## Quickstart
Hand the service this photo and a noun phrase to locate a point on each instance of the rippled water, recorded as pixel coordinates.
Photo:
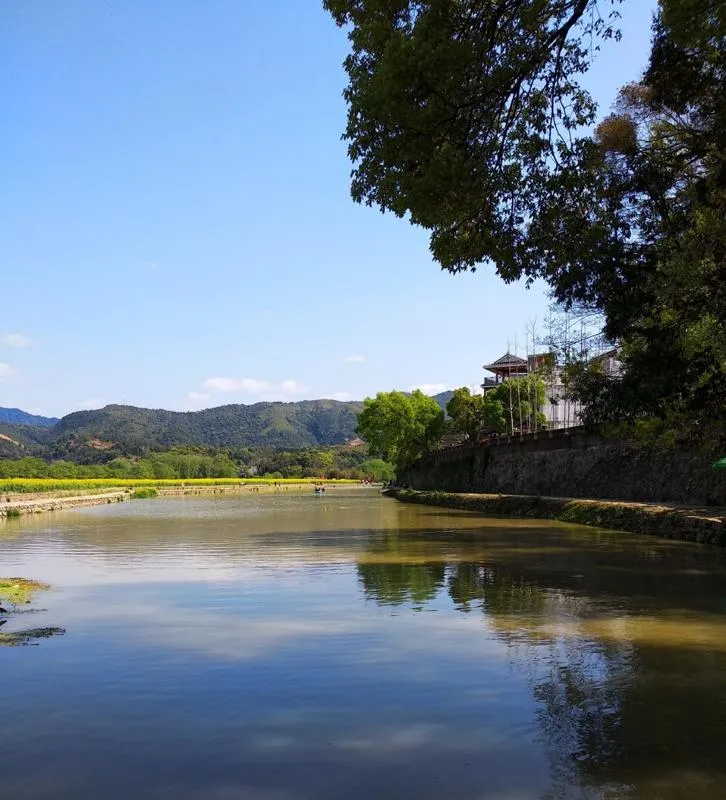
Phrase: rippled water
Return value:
(290, 646)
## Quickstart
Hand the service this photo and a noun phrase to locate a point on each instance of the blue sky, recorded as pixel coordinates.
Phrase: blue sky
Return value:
(176, 229)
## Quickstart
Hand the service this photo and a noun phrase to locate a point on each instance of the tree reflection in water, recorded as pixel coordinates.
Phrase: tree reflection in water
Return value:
(393, 582)
(630, 694)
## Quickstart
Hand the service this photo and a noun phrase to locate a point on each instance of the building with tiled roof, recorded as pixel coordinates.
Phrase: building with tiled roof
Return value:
(560, 410)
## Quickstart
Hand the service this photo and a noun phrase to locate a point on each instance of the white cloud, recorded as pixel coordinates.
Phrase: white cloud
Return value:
(261, 390)
(196, 400)
(249, 385)
(91, 403)
(431, 388)
(15, 340)
(353, 359)
(6, 371)
(342, 396)
(292, 387)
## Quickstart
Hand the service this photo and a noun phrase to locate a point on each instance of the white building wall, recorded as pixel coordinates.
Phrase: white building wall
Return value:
(559, 411)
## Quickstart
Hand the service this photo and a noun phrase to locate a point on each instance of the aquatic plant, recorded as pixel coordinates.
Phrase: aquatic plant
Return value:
(29, 636)
(19, 590)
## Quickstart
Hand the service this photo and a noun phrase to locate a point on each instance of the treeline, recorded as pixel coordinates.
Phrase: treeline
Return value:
(189, 463)
(401, 427)
(336, 462)
(157, 465)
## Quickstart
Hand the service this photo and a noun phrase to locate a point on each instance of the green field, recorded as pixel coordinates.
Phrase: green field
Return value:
(36, 485)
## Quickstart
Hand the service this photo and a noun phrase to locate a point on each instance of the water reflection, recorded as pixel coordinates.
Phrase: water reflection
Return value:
(627, 670)
(390, 580)
(286, 647)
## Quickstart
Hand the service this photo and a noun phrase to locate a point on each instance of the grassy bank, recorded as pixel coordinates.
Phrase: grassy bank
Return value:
(689, 523)
(39, 485)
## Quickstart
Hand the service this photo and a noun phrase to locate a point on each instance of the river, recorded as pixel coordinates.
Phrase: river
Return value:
(280, 647)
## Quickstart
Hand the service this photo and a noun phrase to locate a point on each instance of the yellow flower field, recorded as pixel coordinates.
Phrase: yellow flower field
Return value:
(34, 485)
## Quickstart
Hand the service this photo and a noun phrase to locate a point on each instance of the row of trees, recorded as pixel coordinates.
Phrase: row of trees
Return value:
(512, 407)
(401, 428)
(470, 119)
(156, 465)
(335, 462)
(338, 462)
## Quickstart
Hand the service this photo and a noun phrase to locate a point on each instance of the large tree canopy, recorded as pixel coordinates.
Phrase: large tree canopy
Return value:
(664, 179)
(400, 427)
(464, 114)
(467, 116)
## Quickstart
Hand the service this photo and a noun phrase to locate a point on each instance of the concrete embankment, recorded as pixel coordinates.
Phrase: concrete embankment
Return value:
(17, 504)
(20, 505)
(705, 525)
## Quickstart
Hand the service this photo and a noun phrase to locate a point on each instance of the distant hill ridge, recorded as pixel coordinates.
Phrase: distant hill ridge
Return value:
(292, 425)
(15, 416)
(118, 429)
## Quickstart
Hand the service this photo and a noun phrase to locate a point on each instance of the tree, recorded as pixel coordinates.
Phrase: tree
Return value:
(377, 469)
(400, 428)
(474, 414)
(454, 106)
(468, 117)
(521, 400)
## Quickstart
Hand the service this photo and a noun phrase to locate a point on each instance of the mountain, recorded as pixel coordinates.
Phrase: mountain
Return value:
(117, 430)
(443, 398)
(132, 430)
(14, 416)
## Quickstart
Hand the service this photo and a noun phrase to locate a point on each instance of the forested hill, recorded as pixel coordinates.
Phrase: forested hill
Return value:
(132, 430)
(127, 430)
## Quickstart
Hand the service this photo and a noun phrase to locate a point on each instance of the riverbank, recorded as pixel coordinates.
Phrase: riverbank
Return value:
(15, 505)
(705, 525)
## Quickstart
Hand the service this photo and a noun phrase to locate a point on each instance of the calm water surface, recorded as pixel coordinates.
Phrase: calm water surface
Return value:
(277, 647)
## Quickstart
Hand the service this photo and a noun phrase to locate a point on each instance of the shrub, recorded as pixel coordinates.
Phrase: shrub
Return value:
(143, 494)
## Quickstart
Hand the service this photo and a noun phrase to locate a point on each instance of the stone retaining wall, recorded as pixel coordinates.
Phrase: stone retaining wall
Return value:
(575, 464)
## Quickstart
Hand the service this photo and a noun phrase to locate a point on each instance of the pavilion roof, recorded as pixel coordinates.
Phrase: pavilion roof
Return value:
(507, 360)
